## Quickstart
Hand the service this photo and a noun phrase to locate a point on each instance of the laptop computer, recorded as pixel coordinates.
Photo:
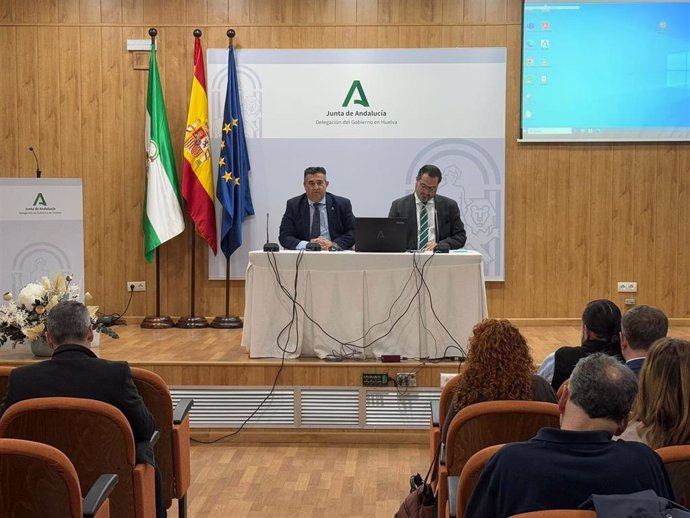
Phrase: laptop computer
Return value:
(380, 234)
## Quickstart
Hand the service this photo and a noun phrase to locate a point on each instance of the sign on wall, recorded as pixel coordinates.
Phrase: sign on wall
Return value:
(372, 118)
(41, 231)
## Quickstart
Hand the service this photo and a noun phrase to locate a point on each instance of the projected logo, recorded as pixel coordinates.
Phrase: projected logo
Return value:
(471, 177)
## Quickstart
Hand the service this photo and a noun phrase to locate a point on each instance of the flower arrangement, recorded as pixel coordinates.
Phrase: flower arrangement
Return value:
(24, 318)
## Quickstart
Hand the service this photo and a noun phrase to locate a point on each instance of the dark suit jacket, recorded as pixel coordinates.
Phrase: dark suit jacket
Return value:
(635, 365)
(449, 227)
(296, 225)
(75, 371)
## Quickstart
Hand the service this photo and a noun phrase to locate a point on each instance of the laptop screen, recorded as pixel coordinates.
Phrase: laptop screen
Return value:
(380, 234)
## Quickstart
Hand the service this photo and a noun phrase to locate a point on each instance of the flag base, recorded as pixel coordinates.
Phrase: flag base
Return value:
(157, 323)
(226, 322)
(192, 322)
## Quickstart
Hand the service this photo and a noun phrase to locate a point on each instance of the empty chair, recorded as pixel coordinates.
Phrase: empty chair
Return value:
(172, 448)
(486, 424)
(97, 438)
(677, 462)
(38, 481)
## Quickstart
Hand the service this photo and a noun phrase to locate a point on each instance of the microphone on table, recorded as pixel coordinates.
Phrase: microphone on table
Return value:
(270, 247)
(313, 247)
(38, 168)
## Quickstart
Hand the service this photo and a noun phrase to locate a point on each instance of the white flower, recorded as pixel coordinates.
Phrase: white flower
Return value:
(30, 294)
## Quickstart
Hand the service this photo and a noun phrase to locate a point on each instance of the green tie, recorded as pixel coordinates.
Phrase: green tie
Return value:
(423, 227)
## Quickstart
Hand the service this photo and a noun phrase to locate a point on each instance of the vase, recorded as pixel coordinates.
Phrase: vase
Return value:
(40, 348)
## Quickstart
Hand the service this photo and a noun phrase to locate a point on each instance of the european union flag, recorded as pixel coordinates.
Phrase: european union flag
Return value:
(232, 187)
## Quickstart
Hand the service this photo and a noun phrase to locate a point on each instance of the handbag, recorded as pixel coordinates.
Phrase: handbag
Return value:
(421, 501)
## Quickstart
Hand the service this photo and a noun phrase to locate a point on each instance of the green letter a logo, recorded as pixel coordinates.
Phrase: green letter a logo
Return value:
(356, 87)
(40, 200)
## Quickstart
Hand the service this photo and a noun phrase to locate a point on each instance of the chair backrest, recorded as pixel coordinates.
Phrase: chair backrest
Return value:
(677, 462)
(446, 398)
(557, 513)
(494, 422)
(37, 480)
(156, 395)
(95, 436)
(4, 379)
(470, 474)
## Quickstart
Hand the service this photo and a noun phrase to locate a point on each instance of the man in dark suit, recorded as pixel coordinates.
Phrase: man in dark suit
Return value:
(432, 219)
(640, 328)
(317, 216)
(75, 371)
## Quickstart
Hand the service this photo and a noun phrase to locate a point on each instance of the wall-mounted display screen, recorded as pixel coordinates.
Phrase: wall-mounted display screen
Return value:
(606, 71)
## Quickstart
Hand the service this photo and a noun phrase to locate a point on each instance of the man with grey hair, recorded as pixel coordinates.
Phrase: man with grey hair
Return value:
(561, 468)
(75, 371)
(640, 328)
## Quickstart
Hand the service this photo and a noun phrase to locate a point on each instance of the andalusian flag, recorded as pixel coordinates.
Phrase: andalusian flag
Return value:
(163, 218)
(197, 174)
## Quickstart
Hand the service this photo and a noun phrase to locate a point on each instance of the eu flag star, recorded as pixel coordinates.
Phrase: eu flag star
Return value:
(236, 180)
(221, 162)
(226, 128)
(234, 122)
(227, 177)
(222, 144)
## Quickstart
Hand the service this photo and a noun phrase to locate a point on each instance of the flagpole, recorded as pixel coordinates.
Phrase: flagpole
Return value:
(157, 321)
(227, 321)
(193, 321)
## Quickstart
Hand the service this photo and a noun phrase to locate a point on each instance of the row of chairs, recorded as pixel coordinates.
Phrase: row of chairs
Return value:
(97, 439)
(479, 430)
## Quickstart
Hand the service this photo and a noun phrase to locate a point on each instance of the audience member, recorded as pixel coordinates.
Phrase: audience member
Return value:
(432, 219)
(640, 328)
(601, 326)
(661, 415)
(499, 366)
(561, 468)
(75, 371)
(317, 216)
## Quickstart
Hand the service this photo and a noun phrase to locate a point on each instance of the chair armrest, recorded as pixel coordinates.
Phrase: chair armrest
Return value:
(181, 410)
(434, 411)
(98, 493)
(154, 438)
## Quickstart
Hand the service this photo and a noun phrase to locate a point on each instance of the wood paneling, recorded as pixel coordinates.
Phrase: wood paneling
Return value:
(578, 217)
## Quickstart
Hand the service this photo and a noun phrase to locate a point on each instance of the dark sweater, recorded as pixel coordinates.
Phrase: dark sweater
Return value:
(560, 469)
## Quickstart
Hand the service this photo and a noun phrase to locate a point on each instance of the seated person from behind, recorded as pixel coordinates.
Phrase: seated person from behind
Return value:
(640, 328)
(561, 468)
(425, 211)
(75, 371)
(601, 326)
(499, 366)
(661, 413)
(317, 216)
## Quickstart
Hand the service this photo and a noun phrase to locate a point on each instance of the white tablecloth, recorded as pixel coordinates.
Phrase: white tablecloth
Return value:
(347, 293)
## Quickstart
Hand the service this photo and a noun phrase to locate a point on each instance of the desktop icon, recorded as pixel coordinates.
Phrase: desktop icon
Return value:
(544, 79)
(530, 44)
(530, 26)
(544, 44)
(544, 62)
(529, 80)
(545, 26)
(529, 62)
(528, 114)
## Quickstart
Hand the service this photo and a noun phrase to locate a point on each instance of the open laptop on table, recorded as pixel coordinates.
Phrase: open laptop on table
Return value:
(380, 235)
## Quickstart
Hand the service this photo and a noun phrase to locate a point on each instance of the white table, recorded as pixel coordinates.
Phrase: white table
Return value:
(348, 292)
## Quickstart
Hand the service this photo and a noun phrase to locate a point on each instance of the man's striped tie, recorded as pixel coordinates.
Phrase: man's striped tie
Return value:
(423, 227)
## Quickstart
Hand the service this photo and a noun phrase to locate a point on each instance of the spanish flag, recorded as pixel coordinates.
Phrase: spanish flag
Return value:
(197, 174)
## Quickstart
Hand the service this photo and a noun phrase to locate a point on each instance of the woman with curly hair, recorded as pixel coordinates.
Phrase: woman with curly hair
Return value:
(661, 414)
(499, 366)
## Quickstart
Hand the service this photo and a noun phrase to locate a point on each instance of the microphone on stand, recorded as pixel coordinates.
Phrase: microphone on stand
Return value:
(270, 247)
(38, 168)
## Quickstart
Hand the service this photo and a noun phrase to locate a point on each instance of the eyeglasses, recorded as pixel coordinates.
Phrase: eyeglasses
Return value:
(427, 188)
(315, 183)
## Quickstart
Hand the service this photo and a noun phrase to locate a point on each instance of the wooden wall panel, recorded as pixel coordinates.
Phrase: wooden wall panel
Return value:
(578, 217)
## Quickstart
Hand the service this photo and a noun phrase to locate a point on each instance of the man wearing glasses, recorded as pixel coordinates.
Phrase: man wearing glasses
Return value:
(317, 216)
(432, 220)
